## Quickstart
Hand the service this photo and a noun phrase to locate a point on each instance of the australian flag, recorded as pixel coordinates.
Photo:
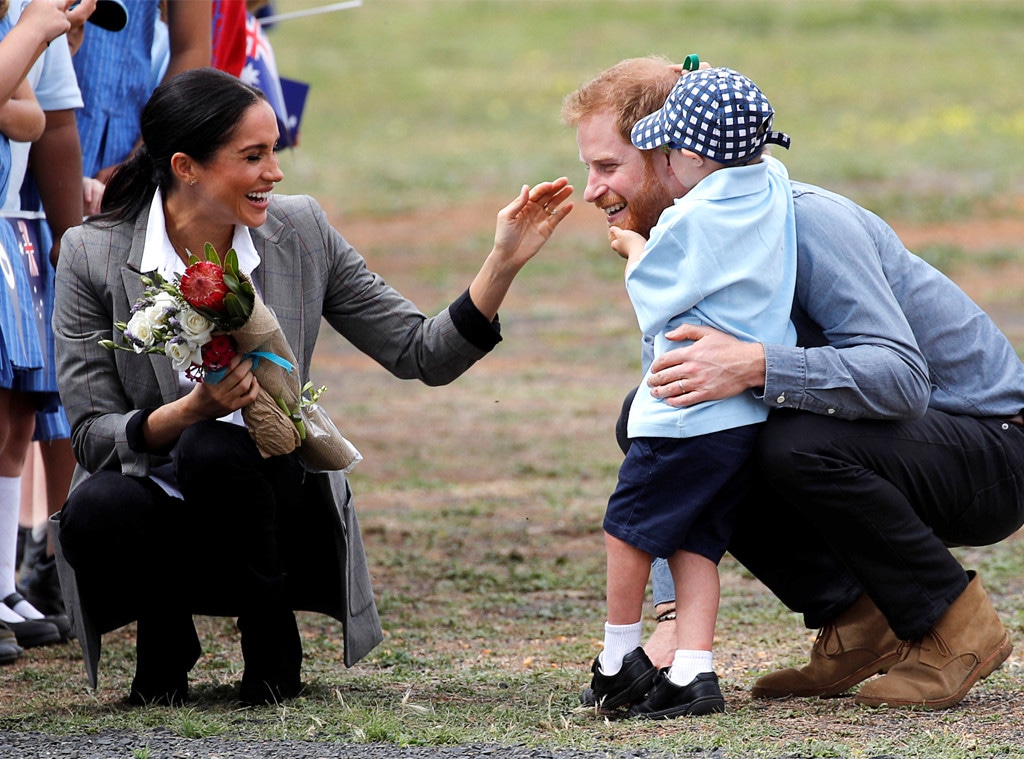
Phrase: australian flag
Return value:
(286, 97)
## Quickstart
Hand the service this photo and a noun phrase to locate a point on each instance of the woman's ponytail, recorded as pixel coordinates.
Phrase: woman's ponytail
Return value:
(130, 189)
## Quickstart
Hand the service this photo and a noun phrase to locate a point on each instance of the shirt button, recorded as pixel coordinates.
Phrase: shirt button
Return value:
(781, 399)
(1005, 426)
(831, 411)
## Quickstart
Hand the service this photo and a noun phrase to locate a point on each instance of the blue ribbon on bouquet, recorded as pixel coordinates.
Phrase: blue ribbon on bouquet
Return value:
(256, 356)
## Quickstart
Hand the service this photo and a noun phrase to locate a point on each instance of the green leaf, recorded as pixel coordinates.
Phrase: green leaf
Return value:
(234, 307)
(231, 262)
(211, 254)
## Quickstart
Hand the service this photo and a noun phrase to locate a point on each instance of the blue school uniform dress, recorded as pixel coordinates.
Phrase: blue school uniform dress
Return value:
(26, 340)
(21, 355)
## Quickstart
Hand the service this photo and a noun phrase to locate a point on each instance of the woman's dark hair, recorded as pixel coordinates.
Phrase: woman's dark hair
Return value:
(195, 112)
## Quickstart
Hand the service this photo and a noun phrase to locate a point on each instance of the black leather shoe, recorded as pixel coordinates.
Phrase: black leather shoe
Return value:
(10, 651)
(272, 652)
(166, 649)
(667, 700)
(256, 692)
(171, 691)
(627, 686)
(60, 621)
(34, 632)
(40, 584)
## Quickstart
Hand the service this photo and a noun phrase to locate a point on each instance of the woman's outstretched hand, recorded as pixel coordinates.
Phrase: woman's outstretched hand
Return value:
(524, 225)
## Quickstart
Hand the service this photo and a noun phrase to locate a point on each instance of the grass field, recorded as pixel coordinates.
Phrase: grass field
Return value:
(481, 502)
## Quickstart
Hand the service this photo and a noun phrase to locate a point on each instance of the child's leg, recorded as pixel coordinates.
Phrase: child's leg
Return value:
(17, 420)
(697, 597)
(628, 571)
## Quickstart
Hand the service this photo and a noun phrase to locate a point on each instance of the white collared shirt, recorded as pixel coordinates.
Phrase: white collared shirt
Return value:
(158, 253)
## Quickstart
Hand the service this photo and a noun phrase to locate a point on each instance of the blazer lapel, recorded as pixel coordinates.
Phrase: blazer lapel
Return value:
(278, 277)
(166, 377)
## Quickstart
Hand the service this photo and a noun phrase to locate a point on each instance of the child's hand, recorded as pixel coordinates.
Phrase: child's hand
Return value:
(92, 195)
(78, 14)
(47, 17)
(626, 243)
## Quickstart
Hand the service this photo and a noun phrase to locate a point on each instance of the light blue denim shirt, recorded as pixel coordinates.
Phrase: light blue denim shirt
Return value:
(881, 334)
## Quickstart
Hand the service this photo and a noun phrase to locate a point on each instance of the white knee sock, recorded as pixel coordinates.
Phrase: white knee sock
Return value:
(619, 640)
(10, 505)
(688, 664)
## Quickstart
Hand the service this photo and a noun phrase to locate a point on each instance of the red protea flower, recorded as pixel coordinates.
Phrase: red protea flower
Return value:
(202, 285)
(217, 353)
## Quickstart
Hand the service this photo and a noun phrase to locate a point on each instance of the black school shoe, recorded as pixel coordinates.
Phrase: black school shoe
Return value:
(40, 584)
(10, 651)
(60, 621)
(666, 700)
(627, 686)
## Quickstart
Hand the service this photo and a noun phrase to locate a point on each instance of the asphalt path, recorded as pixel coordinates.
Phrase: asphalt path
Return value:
(165, 745)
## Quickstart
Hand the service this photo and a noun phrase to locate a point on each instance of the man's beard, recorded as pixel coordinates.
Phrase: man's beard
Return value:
(645, 208)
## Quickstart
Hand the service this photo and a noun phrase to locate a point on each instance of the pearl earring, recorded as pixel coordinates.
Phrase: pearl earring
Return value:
(191, 182)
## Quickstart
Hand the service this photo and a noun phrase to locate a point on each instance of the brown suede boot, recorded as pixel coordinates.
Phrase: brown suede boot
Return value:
(966, 644)
(857, 645)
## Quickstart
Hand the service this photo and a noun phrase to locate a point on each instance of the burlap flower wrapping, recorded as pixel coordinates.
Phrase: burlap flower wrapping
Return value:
(305, 426)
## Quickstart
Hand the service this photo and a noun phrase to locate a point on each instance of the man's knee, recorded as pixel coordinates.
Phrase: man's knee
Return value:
(790, 446)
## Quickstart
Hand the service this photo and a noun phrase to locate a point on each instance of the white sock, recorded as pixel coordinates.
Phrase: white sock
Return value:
(26, 610)
(688, 664)
(7, 614)
(39, 532)
(619, 640)
(10, 505)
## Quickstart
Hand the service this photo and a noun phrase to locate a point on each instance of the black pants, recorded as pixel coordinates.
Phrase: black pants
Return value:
(849, 507)
(872, 507)
(142, 554)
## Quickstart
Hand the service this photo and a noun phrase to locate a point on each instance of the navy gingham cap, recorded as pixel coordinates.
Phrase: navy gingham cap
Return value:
(717, 113)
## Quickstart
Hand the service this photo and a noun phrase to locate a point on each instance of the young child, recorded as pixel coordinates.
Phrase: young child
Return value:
(21, 118)
(724, 255)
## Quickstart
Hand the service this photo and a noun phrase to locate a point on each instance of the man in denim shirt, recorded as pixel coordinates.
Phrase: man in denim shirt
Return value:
(895, 431)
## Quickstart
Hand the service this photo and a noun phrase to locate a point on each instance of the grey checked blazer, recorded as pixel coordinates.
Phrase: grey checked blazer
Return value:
(308, 272)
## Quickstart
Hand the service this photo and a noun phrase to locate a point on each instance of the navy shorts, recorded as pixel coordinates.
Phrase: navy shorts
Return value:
(681, 494)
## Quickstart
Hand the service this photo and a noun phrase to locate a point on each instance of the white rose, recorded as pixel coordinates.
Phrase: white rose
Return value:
(182, 354)
(166, 300)
(163, 307)
(195, 327)
(139, 331)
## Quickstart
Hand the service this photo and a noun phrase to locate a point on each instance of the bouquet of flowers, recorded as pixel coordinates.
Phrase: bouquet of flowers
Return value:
(212, 313)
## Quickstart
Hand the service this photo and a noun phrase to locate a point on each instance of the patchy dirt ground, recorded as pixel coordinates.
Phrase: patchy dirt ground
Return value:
(464, 478)
(993, 716)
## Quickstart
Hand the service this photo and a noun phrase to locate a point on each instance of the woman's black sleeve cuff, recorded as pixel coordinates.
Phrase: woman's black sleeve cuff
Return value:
(473, 325)
(135, 437)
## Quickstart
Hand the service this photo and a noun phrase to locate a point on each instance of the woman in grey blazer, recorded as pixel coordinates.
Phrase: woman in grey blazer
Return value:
(162, 479)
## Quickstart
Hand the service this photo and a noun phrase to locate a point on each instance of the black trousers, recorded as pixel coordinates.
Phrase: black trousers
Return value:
(840, 508)
(142, 554)
(872, 506)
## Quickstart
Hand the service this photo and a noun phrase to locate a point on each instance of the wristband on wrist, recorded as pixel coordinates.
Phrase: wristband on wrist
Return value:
(666, 616)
